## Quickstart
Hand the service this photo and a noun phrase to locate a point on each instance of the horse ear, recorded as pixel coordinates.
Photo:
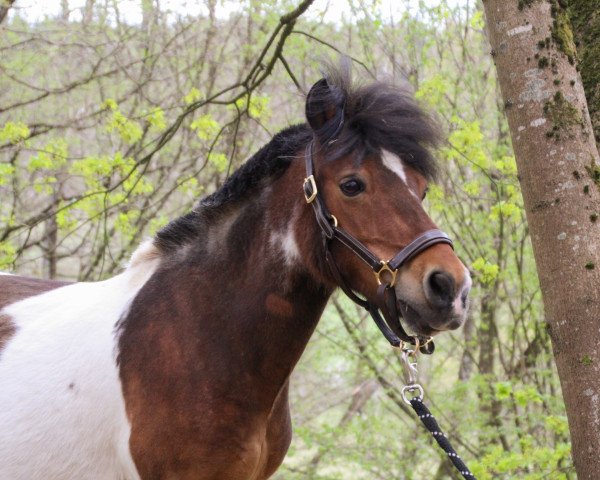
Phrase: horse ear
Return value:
(323, 103)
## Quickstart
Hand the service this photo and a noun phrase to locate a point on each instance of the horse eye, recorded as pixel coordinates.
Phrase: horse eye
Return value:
(352, 187)
(424, 194)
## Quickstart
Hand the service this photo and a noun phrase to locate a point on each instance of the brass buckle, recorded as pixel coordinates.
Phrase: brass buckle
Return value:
(386, 268)
(313, 185)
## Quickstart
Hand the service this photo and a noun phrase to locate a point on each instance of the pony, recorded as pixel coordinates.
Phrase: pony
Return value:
(179, 367)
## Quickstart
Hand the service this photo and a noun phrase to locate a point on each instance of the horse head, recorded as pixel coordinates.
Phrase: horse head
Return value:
(369, 165)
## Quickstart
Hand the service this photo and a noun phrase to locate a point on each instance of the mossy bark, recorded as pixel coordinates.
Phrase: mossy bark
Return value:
(585, 21)
(557, 160)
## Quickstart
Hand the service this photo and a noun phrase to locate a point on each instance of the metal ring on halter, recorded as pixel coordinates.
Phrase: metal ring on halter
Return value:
(413, 349)
(412, 388)
(386, 268)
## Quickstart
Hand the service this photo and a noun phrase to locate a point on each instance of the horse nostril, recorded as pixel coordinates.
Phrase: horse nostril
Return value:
(440, 288)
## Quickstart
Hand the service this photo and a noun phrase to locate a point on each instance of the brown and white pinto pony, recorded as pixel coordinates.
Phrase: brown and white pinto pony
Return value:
(179, 367)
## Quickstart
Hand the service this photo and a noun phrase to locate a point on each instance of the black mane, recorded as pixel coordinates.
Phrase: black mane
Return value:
(259, 170)
(375, 116)
(378, 116)
(266, 164)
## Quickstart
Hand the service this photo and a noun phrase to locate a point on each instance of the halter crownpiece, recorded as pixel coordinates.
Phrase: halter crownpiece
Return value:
(385, 271)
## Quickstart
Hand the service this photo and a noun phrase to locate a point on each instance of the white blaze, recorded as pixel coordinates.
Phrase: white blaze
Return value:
(394, 163)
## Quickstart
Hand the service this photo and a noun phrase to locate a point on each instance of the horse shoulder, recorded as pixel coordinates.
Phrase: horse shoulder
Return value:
(279, 433)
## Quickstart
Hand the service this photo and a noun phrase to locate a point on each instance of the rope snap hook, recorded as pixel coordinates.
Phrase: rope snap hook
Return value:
(408, 358)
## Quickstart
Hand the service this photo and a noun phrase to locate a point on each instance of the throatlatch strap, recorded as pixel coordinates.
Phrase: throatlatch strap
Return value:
(340, 280)
(431, 424)
(387, 304)
(383, 328)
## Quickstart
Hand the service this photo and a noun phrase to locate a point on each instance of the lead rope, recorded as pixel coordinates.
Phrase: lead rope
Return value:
(409, 364)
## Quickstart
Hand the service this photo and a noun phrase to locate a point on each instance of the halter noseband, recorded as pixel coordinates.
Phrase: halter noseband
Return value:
(386, 296)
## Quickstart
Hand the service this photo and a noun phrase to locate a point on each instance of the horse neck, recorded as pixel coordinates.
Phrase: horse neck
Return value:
(241, 302)
(273, 295)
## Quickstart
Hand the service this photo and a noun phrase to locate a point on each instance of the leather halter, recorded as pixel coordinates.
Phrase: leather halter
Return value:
(385, 271)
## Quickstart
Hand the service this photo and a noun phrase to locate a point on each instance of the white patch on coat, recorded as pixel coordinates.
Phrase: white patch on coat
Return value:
(62, 410)
(143, 263)
(394, 163)
(285, 241)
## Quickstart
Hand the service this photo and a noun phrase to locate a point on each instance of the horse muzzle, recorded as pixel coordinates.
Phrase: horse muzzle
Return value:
(440, 305)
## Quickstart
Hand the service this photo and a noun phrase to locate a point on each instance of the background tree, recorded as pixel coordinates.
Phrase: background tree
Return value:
(559, 171)
(4, 7)
(583, 18)
(113, 122)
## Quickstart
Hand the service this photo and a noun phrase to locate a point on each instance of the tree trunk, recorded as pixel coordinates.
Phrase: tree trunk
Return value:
(88, 12)
(65, 12)
(4, 8)
(585, 20)
(559, 171)
(147, 16)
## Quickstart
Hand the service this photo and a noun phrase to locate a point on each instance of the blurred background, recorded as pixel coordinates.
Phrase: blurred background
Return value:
(117, 116)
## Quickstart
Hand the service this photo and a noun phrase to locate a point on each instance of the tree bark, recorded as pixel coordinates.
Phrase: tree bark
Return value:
(585, 21)
(65, 11)
(559, 173)
(148, 16)
(88, 12)
(4, 8)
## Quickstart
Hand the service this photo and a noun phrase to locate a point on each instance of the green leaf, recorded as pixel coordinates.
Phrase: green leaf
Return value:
(257, 108)
(6, 172)
(156, 119)
(503, 390)
(193, 96)
(205, 126)
(507, 210)
(477, 20)
(489, 271)
(8, 252)
(219, 160)
(109, 104)
(129, 130)
(51, 157)
(472, 188)
(14, 132)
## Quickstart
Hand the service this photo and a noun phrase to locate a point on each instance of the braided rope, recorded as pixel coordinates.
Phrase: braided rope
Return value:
(431, 424)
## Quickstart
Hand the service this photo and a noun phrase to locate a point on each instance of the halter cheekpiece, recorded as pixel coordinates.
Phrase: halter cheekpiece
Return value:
(385, 271)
